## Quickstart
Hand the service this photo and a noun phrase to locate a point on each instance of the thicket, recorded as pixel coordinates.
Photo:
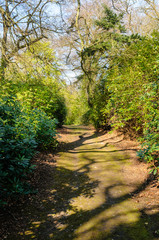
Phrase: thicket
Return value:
(21, 131)
(31, 107)
(133, 82)
(77, 106)
(123, 72)
(35, 80)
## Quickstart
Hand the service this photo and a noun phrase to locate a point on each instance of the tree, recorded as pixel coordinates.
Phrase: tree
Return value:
(95, 57)
(81, 32)
(22, 22)
(139, 16)
(35, 80)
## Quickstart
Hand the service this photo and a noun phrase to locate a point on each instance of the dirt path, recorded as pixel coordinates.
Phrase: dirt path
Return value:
(95, 192)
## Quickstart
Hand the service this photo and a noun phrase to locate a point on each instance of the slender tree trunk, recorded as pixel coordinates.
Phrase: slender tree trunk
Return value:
(4, 57)
(77, 24)
(4, 60)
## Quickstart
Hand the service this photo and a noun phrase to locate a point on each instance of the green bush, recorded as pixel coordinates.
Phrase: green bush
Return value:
(21, 131)
(150, 140)
(134, 100)
(99, 101)
(39, 95)
(132, 81)
(126, 92)
(77, 106)
(43, 128)
(35, 80)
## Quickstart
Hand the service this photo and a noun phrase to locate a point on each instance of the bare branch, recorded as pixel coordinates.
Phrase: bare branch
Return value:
(24, 22)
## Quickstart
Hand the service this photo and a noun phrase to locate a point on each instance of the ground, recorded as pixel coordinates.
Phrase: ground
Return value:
(93, 188)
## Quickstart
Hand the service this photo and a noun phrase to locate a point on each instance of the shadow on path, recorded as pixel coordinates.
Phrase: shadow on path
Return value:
(54, 212)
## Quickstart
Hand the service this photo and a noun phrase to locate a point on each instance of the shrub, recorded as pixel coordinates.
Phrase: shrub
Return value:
(150, 140)
(43, 128)
(128, 99)
(77, 106)
(21, 131)
(35, 80)
(99, 101)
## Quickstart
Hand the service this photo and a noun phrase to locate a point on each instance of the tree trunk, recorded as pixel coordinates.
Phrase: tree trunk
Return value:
(4, 42)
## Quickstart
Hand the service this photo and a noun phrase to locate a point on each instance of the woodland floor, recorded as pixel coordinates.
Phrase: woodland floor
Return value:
(94, 188)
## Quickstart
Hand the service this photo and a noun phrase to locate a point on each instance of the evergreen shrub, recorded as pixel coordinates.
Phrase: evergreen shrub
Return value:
(21, 132)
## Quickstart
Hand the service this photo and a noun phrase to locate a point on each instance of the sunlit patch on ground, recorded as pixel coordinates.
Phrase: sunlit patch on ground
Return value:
(89, 195)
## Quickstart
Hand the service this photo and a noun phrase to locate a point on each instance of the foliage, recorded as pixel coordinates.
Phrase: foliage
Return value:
(110, 20)
(21, 131)
(99, 101)
(77, 106)
(95, 64)
(37, 82)
(123, 83)
(17, 33)
(133, 84)
(150, 139)
(129, 77)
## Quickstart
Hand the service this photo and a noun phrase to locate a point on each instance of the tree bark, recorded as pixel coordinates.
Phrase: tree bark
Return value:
(4, 41)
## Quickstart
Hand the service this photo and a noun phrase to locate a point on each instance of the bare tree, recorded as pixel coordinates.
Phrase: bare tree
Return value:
(22, 23)
(140, 16)
(152, 10)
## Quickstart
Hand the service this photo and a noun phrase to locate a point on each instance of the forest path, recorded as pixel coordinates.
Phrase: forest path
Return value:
(100, 192)
(93, 193)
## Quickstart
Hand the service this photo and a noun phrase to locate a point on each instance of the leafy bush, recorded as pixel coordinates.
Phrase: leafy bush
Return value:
(46, 97)
(133, 84)
(43, 128)
(99, 101)
(37, 83)
(150, 140)
(77, 106)
(126, 85)
(133, 90)
(21, 131)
